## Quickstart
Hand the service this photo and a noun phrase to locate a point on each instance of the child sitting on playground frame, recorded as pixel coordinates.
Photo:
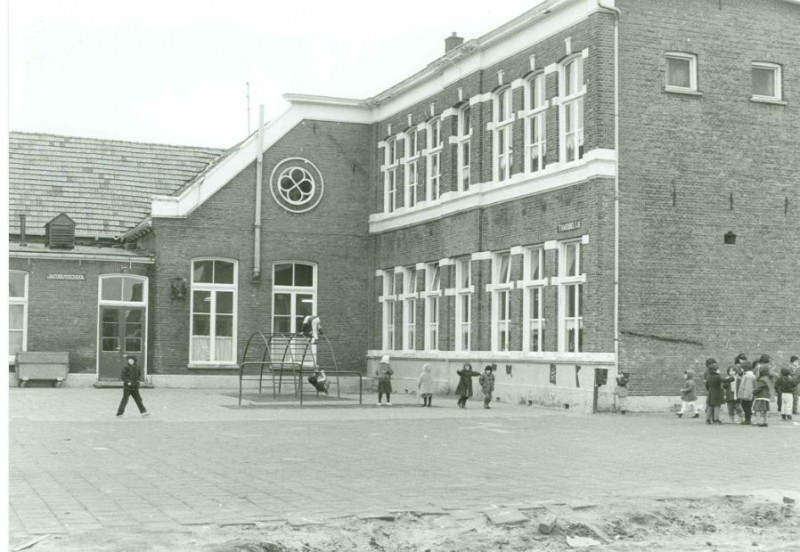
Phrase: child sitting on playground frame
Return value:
(319, 380)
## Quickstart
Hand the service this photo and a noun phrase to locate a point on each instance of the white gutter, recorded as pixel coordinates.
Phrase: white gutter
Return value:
(616, 12)
(81, 257)
(259, 174)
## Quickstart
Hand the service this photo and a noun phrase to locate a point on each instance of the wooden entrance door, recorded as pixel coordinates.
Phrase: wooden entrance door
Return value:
(122, 334)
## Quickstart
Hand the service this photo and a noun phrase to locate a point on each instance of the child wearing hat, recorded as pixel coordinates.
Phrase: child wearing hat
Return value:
(621, 391)
(384, 375)
(425, 385)
(464, 388)
(689, 395)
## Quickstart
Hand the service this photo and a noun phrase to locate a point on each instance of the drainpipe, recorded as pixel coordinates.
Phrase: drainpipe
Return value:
(616, 12)
(259, 173)
(22, 236)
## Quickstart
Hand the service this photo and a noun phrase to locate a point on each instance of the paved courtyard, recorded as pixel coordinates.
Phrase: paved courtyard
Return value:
(201, 459)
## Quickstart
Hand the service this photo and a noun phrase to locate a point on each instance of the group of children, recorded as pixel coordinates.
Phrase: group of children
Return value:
(425, 384)
(746, 389)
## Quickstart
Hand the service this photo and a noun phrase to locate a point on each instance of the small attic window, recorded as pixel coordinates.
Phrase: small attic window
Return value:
(730, 238)
(60, 232)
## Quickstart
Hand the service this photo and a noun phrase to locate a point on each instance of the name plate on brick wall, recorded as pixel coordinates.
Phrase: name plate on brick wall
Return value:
(567, 226)
(66, 277)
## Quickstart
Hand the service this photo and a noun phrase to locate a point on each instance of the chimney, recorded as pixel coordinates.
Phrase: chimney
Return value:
(452, 41)
(22, 230)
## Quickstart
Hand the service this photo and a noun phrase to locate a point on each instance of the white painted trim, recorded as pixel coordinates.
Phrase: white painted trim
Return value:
(585, 239)
(447, 261)
(550, 68)
(80, 257)
(449, 112)
(546, 357)
(549, 245)
(517, 250)
(480, 98)
(517, 83)
(379, 273)
(481, 256)
(421, 266)
(597, 163)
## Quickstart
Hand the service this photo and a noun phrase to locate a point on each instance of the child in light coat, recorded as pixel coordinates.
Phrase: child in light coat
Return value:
(689, 395)
(425, 385)
(384, 375)
(747, 384)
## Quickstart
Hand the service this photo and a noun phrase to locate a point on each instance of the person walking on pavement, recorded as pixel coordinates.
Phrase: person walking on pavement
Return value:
(425, 385)
(464, 388)
(689, 395)
(747, 384)
(384, 375)
(786, 386)
(487, 385)
(130, 387)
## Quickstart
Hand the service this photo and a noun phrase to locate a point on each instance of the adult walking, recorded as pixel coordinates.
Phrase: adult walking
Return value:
(464, 388)
(130, 387)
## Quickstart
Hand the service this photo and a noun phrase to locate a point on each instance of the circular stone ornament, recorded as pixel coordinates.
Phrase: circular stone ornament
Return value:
(296, 184)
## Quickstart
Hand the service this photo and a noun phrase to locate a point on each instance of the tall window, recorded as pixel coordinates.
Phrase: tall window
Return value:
(535, 111)
(463, 139)
(432, 293)
(409, 294)
(17, 312)
(502, 135)
(391, 201)
(572, 110)
(294, 294)
(389, 300)
(463, 289)
(571, 281)
(434, 157)
(412, 161)
(213, 310)
(681, 74)
(533, 300)
(501, 301)
(767, 83)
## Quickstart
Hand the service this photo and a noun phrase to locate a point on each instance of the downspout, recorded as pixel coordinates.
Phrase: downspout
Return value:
(616, 12)
(259, 173)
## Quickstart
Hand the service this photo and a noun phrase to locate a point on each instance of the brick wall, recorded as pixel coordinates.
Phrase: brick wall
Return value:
(693, 168)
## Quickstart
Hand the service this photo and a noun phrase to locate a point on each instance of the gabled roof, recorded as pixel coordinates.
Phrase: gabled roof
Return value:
(105, 186)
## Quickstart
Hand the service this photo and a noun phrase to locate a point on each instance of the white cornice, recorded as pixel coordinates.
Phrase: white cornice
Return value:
(598, 163)
(81, 257)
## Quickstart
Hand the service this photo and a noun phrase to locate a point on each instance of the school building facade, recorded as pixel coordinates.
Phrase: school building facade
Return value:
(595, 185)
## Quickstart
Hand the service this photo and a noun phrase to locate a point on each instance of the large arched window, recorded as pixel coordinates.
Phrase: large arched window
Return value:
(214, 319)
(294, 295)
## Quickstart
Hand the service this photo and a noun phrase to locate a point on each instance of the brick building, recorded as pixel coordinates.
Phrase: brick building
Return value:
(593, 185)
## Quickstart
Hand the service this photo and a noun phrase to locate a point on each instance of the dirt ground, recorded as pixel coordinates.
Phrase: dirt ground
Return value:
(724, 523)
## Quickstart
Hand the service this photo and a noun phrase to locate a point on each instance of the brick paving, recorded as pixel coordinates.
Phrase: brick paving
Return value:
(199, 459)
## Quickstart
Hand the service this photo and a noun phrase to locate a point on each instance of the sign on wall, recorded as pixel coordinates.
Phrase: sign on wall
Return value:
(66, 277)
(567, 226)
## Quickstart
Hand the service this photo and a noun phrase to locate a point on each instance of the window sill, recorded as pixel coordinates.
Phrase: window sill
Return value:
(212, 367)
(772, 101)
(682, 91)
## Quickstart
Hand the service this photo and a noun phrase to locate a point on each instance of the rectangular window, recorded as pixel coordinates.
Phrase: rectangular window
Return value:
(412, 161)
(463, 316)
(409, 308)
(533, 300)
(389, 299)
(535, 121)
(17, 311)
(213, 308)
(571, 110)
(432, 294)
(391, 199)
(503, 135)
(434, 156)
(463, 139)
(572, 279)
(681, 75)
(501, 301)
(767, 83)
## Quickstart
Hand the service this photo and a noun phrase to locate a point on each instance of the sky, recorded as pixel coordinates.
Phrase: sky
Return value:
(176, 71)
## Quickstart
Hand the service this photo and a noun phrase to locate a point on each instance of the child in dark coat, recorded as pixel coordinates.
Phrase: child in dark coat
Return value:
(130, 387)
(464, 388)
(716, 394)
(761, 396)
(487, 385)
(785, 387)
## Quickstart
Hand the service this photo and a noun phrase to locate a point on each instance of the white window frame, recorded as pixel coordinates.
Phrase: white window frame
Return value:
(684, 56)
(571, 108)
(409, 297)
(213, 288)
(19, 300)
(463, 144)
(570, 283)
(390, 168)
(463, 311)
(433, 157)
(389, 300)
(293, 291)
(432, 294)
(777, 82)
(501, 302)
(533, 284)
(535, 117)
(502, 131)
(411, 162)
